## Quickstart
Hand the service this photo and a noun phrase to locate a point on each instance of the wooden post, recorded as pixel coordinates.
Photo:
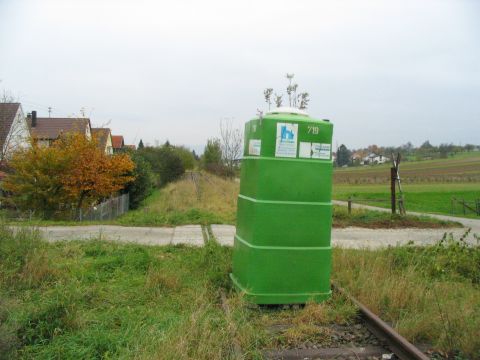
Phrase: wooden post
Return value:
(349, 205)
(393, 176)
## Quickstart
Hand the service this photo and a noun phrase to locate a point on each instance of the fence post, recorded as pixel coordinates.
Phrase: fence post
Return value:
(393, 176)
(80, 214)
(349, 205)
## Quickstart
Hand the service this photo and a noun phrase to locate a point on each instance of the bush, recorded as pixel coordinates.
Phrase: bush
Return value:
(165, 163)
(188, 159)
(144, 181)
(212, 159)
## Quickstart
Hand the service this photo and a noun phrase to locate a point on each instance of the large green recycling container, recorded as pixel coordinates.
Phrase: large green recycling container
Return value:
(282, 251)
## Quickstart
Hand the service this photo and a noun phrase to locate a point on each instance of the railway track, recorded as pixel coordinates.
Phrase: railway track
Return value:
(369, 338)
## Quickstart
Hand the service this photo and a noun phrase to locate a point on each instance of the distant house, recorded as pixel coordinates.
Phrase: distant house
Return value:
(131, 147)
(373, 158)
(104, 139)
(14, 131)
(46, 130)
(118, 143)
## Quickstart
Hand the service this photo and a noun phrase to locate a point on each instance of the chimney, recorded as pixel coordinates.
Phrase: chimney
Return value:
(34, 119)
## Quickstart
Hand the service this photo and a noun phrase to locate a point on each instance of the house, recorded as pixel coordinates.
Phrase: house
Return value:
(14, 130)
(118, 143)
(46, 130)
(373, 158)
(131, 147)
(104, 138)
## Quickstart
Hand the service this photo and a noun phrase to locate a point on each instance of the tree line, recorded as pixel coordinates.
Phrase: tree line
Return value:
(426, 151)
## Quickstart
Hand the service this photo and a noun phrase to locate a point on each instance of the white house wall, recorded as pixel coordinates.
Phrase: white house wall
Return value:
(18, 136)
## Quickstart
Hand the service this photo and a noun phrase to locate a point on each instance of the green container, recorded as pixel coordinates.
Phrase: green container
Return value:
(282, 252)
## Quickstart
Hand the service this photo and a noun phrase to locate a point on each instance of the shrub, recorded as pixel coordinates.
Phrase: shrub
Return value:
(188, 159)
(165, 163)
(144, 181)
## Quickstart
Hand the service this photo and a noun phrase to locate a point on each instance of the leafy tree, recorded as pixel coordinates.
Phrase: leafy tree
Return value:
(343, 155)
(73, 171)
(171, 165)
(91, 174)
(212, 156)
(188, 159)
(195, 156)
(165, 162)
(140, 144)
(144, 181)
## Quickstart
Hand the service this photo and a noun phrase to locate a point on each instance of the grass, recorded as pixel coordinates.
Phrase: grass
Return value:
(462, 168)
(430, 198)
(178, 204)
(384, 220)
(429, 294)
(98, 299)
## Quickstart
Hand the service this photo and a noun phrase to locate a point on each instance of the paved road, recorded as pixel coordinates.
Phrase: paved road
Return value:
(192, 235)
(474, 224)
(188, 234)
(354, 237)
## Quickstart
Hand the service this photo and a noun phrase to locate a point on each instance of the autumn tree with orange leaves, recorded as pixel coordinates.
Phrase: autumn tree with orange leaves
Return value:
(73, 172)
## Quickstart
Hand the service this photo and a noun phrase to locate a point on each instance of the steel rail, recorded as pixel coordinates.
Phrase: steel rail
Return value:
(396, 342)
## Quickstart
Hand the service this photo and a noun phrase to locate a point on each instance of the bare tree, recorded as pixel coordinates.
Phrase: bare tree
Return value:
(304, 99)
(289, 88)
(294, 97)
(268, 96)
(278, 100)
(231, 141)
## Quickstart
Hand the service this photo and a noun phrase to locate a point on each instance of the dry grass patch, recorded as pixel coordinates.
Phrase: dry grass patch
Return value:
(425, 298)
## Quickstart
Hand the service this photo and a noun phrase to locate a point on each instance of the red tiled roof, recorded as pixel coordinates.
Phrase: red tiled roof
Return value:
(51, 128)
(117, 141)
(7, 115)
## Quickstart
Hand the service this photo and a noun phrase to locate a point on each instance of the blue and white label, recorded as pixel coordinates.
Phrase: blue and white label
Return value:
(286, 144)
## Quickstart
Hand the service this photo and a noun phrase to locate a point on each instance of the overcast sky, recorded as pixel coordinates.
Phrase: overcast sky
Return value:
(384, 72)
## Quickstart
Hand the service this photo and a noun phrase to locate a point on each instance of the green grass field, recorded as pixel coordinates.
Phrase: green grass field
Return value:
(101, 300)
(462, 168)
(430, 198)
(428, 186)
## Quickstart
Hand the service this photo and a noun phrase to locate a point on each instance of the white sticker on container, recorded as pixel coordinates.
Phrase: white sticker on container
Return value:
(254, 147)
(286, 142)
(314, 150)
(305, 150)
(320, 151)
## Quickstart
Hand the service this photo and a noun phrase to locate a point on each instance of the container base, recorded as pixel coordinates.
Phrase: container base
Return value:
(280, 299)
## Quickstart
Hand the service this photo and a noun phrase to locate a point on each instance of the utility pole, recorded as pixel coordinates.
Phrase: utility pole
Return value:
(49, 111)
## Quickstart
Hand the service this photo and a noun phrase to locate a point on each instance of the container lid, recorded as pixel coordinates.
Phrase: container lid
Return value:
(288, 110)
